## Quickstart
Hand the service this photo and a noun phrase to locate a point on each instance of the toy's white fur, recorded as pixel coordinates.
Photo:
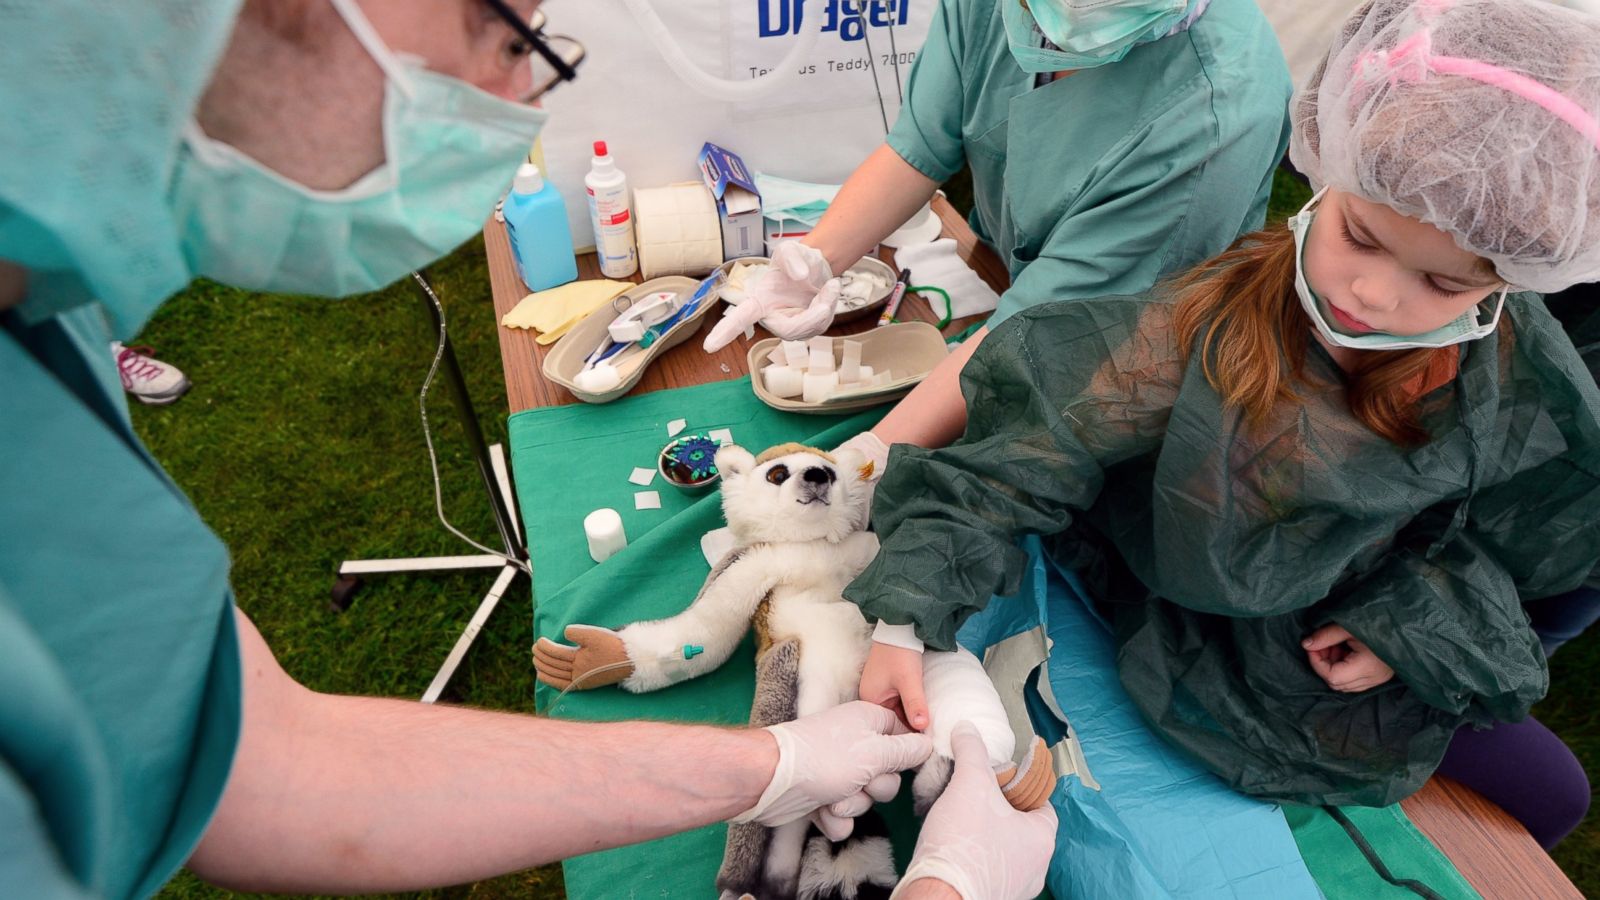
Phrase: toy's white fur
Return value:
(798, 519)
(824, 873)
(796, 544)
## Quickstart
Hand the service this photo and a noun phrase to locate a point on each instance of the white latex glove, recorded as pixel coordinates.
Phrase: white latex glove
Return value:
(874, 451)
(794, 298)
(974, 841)
(838, 820)
(872, 448)
(833, 756)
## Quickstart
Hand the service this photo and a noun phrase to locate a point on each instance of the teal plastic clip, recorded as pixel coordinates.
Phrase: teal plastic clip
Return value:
(690, 651)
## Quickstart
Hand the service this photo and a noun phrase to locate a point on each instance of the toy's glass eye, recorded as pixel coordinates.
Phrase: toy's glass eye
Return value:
(778, 474)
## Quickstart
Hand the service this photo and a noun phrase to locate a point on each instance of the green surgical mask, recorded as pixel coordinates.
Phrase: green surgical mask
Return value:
(1085, 33)
(1471, 325)
(450, 151)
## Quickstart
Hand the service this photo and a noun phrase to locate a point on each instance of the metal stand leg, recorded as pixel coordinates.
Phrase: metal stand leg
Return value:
(502, 502)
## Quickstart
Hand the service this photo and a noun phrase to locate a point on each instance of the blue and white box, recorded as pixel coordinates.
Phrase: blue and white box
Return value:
(738, 201)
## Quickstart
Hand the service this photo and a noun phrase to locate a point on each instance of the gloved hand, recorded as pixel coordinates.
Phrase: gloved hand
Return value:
(794, 299)
(974, 841)
(832, 756)
(872, 449)
(837, 821)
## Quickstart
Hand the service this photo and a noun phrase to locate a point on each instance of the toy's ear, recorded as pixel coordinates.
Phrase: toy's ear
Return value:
(734, 461)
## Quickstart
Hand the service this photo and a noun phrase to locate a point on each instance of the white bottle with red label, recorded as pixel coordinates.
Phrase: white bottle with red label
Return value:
(611, 215)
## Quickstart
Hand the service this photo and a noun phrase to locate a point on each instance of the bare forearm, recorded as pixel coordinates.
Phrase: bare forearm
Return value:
(879, 196)
(355, 794)
(934, 414)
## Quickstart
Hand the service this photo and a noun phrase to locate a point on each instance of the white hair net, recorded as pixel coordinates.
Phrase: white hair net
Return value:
(1476, 116)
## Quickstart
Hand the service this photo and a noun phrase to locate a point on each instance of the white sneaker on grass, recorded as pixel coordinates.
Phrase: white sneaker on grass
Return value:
(150, 380)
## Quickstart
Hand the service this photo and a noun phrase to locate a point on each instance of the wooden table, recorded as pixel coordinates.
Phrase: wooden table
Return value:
(685, 364)
(1491, 849)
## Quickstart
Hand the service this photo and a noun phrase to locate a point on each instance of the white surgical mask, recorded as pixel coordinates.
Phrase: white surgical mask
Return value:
(450, 151)
(1471, 325)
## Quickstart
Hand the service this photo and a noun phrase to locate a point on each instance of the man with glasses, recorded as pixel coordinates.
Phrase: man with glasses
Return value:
(314, 146)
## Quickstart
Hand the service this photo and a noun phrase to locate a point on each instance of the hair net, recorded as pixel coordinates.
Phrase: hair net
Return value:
(1475, 116)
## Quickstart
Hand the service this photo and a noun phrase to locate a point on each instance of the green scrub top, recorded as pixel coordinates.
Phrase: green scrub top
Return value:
(118, 650)
(1214, 547)
(1103, 181)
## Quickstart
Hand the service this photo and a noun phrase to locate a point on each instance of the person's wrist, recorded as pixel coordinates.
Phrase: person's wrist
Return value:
(761, 756)
(929, 889)
(902, 636)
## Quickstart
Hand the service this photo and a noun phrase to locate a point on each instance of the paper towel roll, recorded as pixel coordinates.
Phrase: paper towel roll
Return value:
(678, 230)
(603, 528)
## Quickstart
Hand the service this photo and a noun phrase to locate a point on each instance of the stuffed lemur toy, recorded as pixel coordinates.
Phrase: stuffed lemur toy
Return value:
(798, 517)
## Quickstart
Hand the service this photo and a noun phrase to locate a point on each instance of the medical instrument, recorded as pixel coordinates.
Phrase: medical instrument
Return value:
(949, 305)
(604, 532)
(641, 317)
(678, 230)
(685, 654)
(610, 215)
(491, 462)
(899, 291)
(597, 368)
(636, 329)
(536, 223)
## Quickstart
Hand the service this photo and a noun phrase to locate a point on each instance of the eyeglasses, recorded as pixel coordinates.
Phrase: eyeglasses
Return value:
(553, 58)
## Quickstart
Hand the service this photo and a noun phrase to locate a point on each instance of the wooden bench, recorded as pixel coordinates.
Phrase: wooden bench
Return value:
(1491, 849)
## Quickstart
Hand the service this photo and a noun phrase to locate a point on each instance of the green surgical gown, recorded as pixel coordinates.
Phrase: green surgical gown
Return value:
(118, 654)
(1213, 549)
(1101, 182)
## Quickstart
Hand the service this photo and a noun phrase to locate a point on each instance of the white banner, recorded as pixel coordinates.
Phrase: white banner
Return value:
(815, 120)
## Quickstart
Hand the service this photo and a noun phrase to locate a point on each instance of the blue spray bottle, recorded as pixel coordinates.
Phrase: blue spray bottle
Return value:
(541, 241)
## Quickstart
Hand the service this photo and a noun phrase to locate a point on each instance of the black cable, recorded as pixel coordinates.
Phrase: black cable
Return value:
(861, 16)
(894, 52)
(1376, 862)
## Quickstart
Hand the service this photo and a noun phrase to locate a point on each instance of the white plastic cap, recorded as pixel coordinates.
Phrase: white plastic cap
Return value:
(529, 180)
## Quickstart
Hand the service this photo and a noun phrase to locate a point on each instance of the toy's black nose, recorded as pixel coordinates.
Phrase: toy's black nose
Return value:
(818, 475)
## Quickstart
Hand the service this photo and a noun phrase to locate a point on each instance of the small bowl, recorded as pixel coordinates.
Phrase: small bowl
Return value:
(666, 465)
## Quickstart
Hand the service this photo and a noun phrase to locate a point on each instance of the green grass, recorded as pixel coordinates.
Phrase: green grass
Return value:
(301, 447)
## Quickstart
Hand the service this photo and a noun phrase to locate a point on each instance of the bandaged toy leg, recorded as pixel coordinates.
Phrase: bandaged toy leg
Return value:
(1028, 785)
(958, 689)
(596, 658)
